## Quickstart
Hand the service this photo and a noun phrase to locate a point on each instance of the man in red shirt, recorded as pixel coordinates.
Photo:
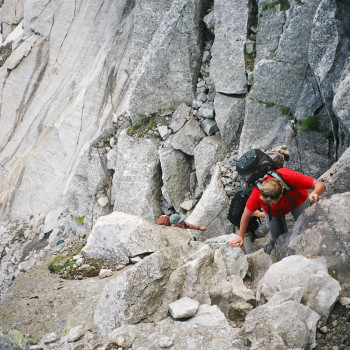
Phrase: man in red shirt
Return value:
(276, 202)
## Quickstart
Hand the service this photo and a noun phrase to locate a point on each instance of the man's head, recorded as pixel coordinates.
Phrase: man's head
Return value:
(271, 191)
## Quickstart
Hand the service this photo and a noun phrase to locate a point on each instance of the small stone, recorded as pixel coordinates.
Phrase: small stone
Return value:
(49, 338)
(103, 201)
(187, 205)
(164, 131)
(324, 329)
(36, 347)
(105, 273)
(26, 233)
(202, 97)
(196, 104)
(79, 262)
(165, 342)
(75, 334)
(344, 301)
(206, 111)
(135, 259)
(249, 45)
(183, 308)
(209, 126)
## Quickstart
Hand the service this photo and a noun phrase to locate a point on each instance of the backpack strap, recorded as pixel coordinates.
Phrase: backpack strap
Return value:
(279, 177)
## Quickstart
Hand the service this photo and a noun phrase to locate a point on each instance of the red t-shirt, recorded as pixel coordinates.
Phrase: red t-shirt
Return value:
(301, 183)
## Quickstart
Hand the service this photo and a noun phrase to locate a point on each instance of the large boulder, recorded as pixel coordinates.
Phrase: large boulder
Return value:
(187, 138)
(119, 237)
(263, 127)
(269, 326)
(259, 262)
(176, 170)
(312, 236)
(212, 209)
(57, 122)
(319, 290)
(144, 291)
(229, 116)
(231, 19)
(137, 179)
(207, 153)
(208, 329)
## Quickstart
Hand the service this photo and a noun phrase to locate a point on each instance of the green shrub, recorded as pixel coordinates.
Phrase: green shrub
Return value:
(60, 262)
(269, 104)
(133, 127)
(55, 268)
(78, 250)
(151, 124)
(284, 5)
(309, 124)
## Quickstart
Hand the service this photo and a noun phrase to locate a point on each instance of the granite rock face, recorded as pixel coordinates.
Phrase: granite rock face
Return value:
(137, 178)
(231, 18)
(69, 83)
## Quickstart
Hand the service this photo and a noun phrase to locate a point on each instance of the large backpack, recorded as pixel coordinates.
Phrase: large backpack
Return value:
(236, 210)
(254, 166)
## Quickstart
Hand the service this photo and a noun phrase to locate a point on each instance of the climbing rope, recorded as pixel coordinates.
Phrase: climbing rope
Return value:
(333, 229)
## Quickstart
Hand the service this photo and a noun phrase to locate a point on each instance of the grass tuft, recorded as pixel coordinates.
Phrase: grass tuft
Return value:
(311, 123)
(284, 5)
(133, 127)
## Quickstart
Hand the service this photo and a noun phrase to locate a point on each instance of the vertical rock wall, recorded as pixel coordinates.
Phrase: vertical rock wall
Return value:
(76, 65)
(300, 69)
